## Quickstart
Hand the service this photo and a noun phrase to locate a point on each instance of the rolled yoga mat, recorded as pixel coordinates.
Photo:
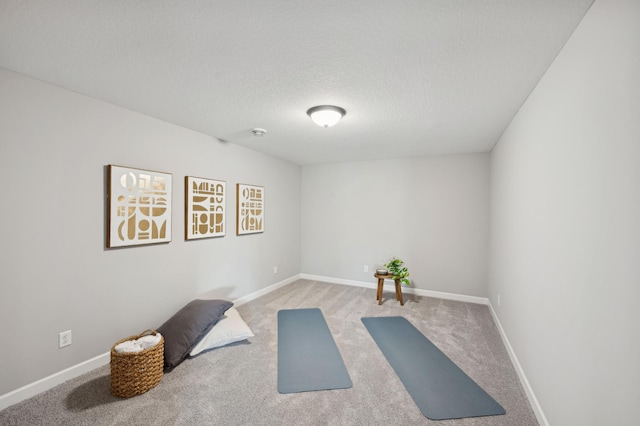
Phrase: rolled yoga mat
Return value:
(308, 358)
(437, 385)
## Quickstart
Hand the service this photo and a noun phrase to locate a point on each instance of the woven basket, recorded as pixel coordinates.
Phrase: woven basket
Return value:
(135, 373)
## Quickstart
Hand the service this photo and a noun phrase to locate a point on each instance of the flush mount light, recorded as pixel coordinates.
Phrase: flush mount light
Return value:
(258, 131)
(326, 115)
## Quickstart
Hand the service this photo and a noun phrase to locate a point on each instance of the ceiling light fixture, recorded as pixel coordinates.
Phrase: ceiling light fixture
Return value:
(326, 115)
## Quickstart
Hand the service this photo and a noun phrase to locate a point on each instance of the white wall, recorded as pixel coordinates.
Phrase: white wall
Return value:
(431, 212)
(565, 225)
(56, 273)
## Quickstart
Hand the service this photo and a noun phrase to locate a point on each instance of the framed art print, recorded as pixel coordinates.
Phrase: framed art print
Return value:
(139, 207)
(249, 209)
(204, 207)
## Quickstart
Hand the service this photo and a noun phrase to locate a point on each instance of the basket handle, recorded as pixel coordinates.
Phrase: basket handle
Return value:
(144, 333)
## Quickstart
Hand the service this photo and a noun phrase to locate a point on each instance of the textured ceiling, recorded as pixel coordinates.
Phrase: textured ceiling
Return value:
(416, 77)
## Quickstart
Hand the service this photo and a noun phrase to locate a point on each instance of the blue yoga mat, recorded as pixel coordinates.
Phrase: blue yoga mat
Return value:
(437, 385)
(308, 358)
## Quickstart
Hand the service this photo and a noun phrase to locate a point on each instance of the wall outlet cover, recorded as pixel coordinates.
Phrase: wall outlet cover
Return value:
(64, 339)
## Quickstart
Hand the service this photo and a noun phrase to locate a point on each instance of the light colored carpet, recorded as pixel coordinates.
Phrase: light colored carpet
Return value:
(237, 385)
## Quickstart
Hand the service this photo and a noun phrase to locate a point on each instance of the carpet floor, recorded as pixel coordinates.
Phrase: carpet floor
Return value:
(237, 384)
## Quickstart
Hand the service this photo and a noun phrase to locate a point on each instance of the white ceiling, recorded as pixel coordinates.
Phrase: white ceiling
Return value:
(417, 78)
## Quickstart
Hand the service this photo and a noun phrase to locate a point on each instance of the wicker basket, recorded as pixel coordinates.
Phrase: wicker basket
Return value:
(135, 373)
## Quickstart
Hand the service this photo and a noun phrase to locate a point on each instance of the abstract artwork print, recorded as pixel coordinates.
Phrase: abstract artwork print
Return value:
(249, 209)
(204, 208)
(139, 207)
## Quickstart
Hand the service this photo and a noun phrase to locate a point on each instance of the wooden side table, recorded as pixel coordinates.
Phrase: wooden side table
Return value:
(381, 279)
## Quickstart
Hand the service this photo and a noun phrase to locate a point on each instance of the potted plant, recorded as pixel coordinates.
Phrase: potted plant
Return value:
(398, 271)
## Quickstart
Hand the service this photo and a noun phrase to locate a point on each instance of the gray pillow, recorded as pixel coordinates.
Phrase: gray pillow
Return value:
(187, 327)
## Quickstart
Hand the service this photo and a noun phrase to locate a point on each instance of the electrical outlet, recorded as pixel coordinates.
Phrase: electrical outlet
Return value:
(498, 300)
(366, 268)
(64, 339)
(275, 269)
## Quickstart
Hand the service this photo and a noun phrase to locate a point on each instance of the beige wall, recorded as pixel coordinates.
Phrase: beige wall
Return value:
(565, 225)
(57, 275)
(431, 212)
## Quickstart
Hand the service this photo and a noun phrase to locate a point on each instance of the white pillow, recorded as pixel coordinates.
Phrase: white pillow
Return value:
(231, 328)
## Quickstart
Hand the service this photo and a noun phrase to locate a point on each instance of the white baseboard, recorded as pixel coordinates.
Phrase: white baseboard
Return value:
(60, 377)
(535, 405)
(53, 380)
(262, 292)
(405, 289)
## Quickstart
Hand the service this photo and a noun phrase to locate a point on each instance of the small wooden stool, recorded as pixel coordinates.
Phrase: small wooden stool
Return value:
(381, 279)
